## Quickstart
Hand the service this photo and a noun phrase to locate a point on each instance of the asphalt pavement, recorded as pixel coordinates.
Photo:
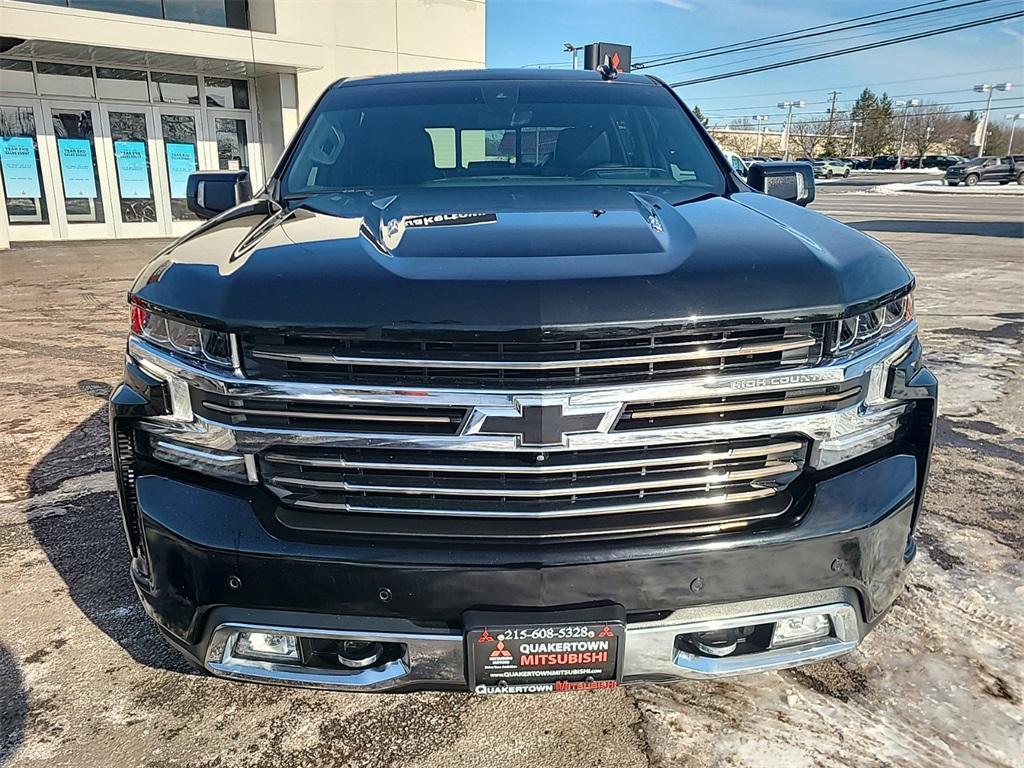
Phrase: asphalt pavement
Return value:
(86, 681)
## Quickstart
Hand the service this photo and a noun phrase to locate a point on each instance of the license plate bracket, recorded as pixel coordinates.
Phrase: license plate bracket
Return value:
(544, 651)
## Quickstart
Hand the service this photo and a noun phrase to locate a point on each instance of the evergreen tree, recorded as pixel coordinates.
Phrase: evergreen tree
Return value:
(700, 116)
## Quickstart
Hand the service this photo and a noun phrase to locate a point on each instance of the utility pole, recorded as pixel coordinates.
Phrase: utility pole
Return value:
(990, 90)
(906, 104)
(832, 119)
(854, 124)
(788, 105)
(760, 131)
(1013, 125)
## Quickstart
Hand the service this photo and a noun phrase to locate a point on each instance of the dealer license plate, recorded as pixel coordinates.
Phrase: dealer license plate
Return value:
(545, 658)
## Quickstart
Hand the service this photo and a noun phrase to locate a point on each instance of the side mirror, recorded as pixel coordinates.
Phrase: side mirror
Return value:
(211, 192)
(788, 181)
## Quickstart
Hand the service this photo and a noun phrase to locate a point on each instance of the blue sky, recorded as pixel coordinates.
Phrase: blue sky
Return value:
(940, 69)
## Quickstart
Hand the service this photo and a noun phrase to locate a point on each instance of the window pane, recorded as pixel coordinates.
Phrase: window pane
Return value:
(121, 84)
(180, 157)
(150, 8)
(76, 153)
(16, 76)
(64, 79)
(174, 89)
(197, 11)
(131, 162)
(224, 92)
(232, 144)
(20, 170)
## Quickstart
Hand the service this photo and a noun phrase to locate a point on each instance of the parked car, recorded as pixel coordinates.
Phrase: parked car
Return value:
(941, 161)
(1002, 170)
(521, 423)
(756, 159)
(883, 163)
(829, 168)
(859, 163)
(736, 162)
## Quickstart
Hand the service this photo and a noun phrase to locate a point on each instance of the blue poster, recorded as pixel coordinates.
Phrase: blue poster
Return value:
(181, 161)
(76, 167)
(132, 169)
(18, 163)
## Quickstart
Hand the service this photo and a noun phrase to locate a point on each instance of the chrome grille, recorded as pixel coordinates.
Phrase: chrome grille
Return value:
(563, 360)
(676, 413)
(327, 416)
(711, 486)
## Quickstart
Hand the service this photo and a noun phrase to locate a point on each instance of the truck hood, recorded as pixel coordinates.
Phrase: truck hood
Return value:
(517, 258)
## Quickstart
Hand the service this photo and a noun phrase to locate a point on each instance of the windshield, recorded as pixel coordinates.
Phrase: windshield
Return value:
(501, 133)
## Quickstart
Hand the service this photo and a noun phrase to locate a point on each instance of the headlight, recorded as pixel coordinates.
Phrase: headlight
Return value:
(186, 339)
(856, 331)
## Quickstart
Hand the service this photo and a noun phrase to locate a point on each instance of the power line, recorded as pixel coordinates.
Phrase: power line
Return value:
(786, 37)
(853, 49)
(781, 123)
(863, 85)
(756, 107)
(722, 116)
(814, 46)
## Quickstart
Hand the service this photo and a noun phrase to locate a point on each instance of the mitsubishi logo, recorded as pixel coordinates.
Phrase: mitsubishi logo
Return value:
(538, 423)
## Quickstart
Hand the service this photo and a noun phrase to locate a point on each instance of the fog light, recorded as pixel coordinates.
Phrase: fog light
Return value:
(800, 629)
(266, 646)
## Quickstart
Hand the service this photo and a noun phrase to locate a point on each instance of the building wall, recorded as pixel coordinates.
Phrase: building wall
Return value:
(293, 51)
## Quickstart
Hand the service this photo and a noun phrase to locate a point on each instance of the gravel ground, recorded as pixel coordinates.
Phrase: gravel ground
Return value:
(85, 680)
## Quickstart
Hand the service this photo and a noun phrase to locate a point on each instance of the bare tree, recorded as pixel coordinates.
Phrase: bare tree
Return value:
(806, 134)
(927, 126)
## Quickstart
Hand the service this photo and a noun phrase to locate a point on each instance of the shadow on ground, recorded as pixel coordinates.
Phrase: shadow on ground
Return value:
(86, 544)
(13, 706)
(1014, 229)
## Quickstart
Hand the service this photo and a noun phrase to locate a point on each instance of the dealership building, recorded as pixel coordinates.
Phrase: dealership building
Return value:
(106, 106)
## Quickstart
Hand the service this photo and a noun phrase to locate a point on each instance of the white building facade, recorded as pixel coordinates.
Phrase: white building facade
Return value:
(106, 106)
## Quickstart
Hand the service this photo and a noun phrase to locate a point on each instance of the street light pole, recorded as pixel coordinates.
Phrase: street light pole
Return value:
(574, 50)
(990, 90)
(760, 131)
(788, 105)
(907, 104)
(1013, 125)
(855, 124)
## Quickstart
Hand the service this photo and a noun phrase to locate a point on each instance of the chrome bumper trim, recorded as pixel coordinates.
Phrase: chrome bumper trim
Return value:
(185, 426)
(223, 382)
(650, 648)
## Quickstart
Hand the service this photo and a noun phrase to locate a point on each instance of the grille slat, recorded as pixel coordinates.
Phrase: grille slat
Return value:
(652, 488)
(767, 471)
(628, 357)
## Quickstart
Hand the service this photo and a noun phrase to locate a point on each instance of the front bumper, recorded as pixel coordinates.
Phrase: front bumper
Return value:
(207, 562)
(213, 566)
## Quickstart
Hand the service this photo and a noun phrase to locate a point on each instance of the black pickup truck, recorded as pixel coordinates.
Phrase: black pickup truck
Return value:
(506, 382)
(990, 169)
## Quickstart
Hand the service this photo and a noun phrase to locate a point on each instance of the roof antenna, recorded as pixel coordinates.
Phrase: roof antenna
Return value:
(606, 70)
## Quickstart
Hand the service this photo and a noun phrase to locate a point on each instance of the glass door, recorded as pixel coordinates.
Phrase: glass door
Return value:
(129, 144)
(83, 194)
(25, 176)
(179, 147)
(234, 144)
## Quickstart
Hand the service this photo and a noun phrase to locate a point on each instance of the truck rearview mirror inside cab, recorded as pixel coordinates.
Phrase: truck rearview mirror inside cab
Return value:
(212, 192)
(789, 181)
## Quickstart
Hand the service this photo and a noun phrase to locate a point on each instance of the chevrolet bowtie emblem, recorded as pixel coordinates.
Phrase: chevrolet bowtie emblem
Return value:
(539, 424)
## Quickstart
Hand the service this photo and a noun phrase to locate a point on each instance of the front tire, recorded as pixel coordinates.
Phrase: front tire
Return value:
(846, 173)
(828, 174)
(1020, 178)
(971, 179)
